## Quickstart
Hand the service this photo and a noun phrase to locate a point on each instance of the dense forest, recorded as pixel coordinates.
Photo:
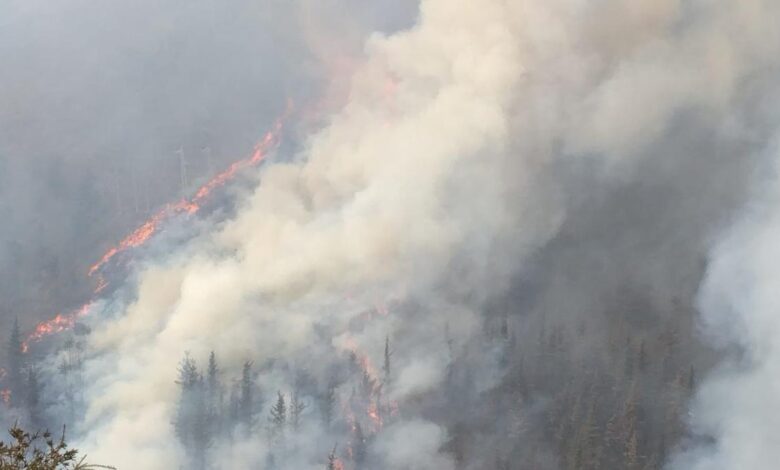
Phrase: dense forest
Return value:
(389, 235)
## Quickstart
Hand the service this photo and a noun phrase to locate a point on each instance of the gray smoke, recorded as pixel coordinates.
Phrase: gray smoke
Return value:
(546, 162)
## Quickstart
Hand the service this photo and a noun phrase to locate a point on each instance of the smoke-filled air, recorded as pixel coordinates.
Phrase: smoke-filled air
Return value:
(391, 234)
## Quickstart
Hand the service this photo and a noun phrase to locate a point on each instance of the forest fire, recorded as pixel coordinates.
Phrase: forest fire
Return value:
(60, 323)
(142, 234)
(191, 206)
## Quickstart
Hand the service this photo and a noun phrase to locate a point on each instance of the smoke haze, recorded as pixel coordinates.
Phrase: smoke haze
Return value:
(554, 217)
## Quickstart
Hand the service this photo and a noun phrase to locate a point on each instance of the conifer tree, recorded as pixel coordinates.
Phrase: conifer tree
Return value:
(15, 356)
(191, 421)
(332, 460)
(214, 396)
(329, 403)
(33, 397)
(359, 447)
(386, 365)
(246, 400)
(297, 406)
(278, 417)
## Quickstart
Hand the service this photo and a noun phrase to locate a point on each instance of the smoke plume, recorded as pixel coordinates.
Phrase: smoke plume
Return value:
(504, 165)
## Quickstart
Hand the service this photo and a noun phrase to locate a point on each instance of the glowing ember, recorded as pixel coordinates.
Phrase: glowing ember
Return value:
(375, 416)
(151, 226)
(62, 322)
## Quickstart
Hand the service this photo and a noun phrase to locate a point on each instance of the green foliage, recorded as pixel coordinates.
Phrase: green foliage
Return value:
(40, 452)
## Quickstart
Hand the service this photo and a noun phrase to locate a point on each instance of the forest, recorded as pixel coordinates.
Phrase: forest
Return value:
(389, 234)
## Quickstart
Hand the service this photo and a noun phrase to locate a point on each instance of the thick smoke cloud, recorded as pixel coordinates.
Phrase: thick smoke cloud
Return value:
(549, 155)
(737, 301)
(97, 100)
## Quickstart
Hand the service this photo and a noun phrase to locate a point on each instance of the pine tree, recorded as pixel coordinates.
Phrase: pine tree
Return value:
(214, 396)
(329, 403)
(16, 377)
(333, 463)
(359, 448)
(191, 422)
(246, 400)
(213, 374)
(41, 452)
(386, 365)
(297, 406)
(33, 397)
(278, 417)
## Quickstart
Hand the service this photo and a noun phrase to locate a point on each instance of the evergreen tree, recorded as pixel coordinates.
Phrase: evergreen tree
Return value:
(16, 377)
(329, 403)
(278, 417)
(333, 463)
(213, 374)
(386, 365)
(359, 447)
(246, 400)
(297, 406)
(41, 452)
(191, 421)
(214, 396)
(33, 397)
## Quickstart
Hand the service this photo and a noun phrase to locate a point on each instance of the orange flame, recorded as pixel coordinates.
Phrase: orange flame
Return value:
(60, 323)
(142, 234)
(152, 225)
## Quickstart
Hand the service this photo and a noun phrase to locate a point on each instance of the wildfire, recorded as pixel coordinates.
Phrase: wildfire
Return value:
(60, 323)
(190, 206)
(142, 234)
(374, 415)
(101, 285)
(5, 395)
(368, 402)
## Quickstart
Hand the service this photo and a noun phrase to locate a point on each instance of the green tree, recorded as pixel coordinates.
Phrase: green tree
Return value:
(41, 452)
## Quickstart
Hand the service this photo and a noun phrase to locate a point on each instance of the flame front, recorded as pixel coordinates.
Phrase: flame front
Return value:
(142, 234)
(191, 206)
(61, 322)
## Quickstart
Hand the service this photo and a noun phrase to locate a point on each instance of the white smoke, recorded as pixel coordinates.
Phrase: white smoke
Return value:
(441, 163)
(738, 301)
